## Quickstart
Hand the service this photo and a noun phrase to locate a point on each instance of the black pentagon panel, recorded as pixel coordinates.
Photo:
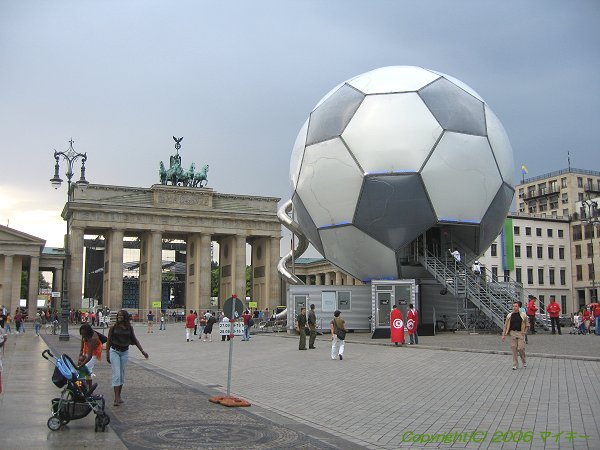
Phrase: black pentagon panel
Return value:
(394, 209)
(455, 109)
(333, 115)
(306, 223)
(494, 217)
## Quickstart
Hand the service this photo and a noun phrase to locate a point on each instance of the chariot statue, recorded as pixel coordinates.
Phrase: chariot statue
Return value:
(177, 176)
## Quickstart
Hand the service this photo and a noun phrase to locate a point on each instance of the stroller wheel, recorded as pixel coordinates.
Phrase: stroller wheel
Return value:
(54, 423)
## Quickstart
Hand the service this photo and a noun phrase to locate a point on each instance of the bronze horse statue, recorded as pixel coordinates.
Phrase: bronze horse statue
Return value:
(200, 177)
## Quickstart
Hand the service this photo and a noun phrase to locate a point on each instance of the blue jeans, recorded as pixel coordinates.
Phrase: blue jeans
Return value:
(162, 326)
(246, 333)
(118, 361)
(37, 328)
(597, 326)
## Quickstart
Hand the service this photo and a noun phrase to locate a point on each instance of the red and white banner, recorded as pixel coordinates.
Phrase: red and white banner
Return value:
(412, 321)
(397, 326)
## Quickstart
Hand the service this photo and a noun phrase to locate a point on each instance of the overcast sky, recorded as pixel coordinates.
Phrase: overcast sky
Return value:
(237, 79)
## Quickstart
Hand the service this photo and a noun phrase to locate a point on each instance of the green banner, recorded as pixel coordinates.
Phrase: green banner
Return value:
(156, 304)
(508, 255)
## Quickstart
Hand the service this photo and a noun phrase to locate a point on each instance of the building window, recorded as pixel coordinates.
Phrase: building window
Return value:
(529, 276)
(343, 300)
(563, 277)
(518, 275)
(563, 182)
(560, 233)
(528, 231)
(591, 275)
(563, 303)
(580, 196)
(579, 182)
(538, 231)
(494, 250)
(578, 252)
(553, 186)
(529, 251)
(549, 232)
(589, 231)
(590, 249)
(494, 274)
(550, 252)
(579, 272)
(551, 276)
(540, 252)
(540, 276)
(507, 275)
(576, 232)
(554, 205)
(517, 231)
(517, 251)
(532, 209)
(521, 192)
(565, 212)
(561, 253)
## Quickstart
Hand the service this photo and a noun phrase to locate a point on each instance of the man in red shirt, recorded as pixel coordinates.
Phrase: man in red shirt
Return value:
(553, 311)
(246, 316)
(531, 310)
(190, 321)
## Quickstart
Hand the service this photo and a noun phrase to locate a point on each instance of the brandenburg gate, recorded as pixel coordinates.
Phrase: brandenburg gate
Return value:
(196, 215)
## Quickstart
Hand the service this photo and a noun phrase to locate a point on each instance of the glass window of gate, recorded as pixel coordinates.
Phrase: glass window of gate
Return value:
(384, 304)
(299, 302)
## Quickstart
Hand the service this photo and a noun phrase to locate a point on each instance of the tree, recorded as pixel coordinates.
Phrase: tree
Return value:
(215, 272)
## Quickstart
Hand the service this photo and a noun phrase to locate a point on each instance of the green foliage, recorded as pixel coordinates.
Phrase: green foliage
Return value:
(214, 278)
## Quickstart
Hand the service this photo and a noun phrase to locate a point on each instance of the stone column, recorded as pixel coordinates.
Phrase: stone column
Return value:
(239, 267)
(113, 270)
(338, 278)
(308, 277)
(34, 283)
(327, 278)
(155, 269)
(318, 279)
(150, 269)
(274, 281)
(57, 286)
(198, 279)
(7, 285)
(75, 286)
(205, 271)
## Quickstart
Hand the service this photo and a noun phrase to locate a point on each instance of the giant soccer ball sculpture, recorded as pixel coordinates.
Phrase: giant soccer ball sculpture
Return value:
(388, 155)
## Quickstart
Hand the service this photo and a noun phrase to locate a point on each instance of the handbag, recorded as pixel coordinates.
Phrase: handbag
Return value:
(341, 334)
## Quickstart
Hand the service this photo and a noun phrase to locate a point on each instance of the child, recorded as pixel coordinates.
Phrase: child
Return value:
(90, 352)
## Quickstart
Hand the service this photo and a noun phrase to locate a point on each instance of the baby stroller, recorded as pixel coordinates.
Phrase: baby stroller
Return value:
(76, 399)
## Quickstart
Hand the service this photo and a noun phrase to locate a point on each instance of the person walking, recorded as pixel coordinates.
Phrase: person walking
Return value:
(587, 320)
(150, 318)
(312, 326)
(209, 326)
(190, 320)
(301, 328)
(338, 335)
(553, 310)
(163, 324)
(412, 321)
(247, 317)
(515, 326)
(37, 324)
(531, 310)
(597, 319)
(120, 337)
(8, 323)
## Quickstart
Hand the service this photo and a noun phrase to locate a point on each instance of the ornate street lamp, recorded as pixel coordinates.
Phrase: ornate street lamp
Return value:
(591, 218)
(70, 156)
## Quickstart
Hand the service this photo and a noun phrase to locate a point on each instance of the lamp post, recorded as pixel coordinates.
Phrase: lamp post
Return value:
(70, 156)
(591, 218)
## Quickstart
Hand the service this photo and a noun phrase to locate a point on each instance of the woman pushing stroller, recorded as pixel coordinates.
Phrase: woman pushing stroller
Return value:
(120, 337)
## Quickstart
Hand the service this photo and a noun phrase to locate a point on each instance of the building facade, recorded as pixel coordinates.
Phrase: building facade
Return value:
(562, 193)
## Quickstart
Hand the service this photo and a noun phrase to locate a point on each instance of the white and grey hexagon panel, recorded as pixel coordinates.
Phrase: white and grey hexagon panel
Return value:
(391, 153)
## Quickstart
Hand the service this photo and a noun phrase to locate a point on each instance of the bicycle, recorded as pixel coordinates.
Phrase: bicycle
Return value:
(52, 327)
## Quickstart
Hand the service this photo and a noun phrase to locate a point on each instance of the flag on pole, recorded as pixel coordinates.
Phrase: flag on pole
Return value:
(524, 169)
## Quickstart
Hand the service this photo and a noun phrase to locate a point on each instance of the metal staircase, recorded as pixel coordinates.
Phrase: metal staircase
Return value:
(492, 298)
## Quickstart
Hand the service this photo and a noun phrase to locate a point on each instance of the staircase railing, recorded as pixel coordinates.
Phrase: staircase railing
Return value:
(493, 299)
